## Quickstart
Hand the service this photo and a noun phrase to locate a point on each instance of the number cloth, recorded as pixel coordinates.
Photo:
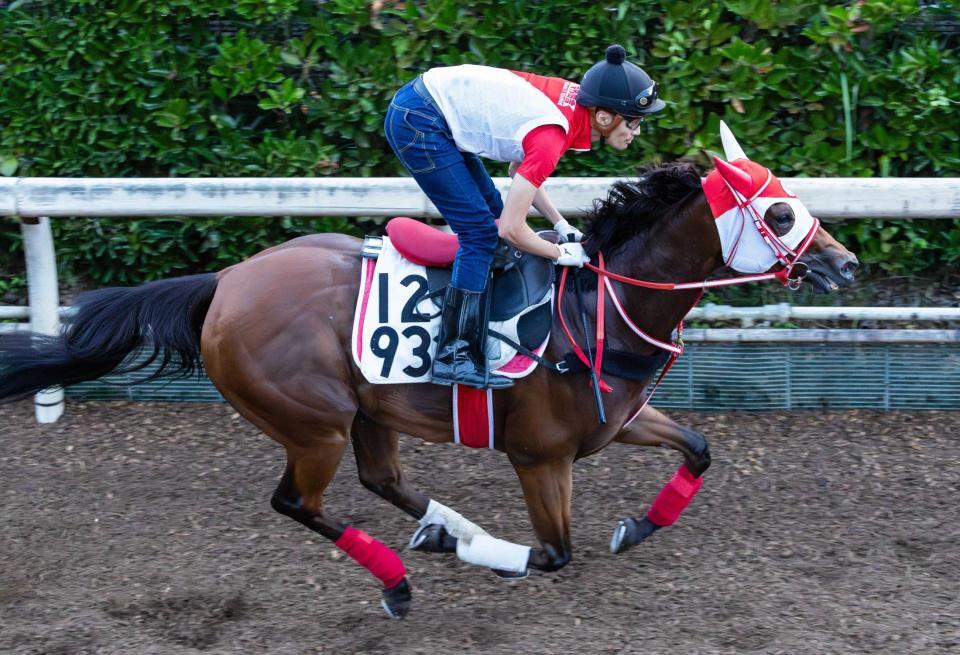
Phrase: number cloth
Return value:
(394, 344)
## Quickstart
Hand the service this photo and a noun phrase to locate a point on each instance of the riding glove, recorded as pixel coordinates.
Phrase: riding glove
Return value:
(567, 232)
(571, 254)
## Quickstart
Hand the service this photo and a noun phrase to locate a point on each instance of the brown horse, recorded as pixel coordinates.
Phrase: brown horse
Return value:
(274, 333)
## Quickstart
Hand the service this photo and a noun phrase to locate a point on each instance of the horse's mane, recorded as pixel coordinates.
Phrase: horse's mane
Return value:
(631, 207)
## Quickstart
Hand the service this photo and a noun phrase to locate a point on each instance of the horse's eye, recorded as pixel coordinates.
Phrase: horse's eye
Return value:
(780, 218)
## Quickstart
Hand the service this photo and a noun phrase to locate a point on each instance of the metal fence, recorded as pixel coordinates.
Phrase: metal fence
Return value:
(722, 376)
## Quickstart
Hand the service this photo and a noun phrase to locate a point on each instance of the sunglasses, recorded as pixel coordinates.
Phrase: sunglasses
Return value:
(632, 123)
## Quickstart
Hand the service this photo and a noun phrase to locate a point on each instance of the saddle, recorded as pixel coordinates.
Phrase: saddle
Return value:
(521, 308)
(519, 279)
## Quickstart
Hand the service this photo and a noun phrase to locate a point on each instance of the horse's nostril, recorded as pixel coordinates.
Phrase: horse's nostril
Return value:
(850, 267)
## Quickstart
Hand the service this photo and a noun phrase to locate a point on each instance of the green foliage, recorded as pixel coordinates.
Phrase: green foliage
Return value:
(299, 88)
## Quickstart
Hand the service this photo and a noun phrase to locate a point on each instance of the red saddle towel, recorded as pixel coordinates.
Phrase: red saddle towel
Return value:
(473, 416)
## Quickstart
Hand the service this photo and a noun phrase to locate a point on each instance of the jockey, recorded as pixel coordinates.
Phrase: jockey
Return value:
(443, 121)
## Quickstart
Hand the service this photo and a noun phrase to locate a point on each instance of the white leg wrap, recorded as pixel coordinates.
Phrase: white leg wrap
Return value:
(493, 553)
(456, 524)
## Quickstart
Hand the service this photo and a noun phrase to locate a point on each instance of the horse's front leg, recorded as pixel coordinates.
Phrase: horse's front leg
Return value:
(652, 428)
(547, 488)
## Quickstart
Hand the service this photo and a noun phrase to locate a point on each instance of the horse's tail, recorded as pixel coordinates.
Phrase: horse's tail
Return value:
(105, 333)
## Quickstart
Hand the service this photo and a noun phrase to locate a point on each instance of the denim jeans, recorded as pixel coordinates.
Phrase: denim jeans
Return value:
(456, 182)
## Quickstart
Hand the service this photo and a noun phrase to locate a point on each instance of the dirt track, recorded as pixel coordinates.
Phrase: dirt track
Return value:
(146, 528)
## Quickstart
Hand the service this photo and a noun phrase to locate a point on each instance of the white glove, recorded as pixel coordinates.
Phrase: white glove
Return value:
(567, 232)
(571, 254)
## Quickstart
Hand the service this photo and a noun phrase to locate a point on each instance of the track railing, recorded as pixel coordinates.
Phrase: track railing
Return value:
(35, 200)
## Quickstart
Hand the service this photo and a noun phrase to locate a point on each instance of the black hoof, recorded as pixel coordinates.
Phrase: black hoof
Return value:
(396, 600)
(433, 538)
(511, 575)
(630, 532)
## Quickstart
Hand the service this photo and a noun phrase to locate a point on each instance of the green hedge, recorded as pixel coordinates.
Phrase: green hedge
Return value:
(298, 88)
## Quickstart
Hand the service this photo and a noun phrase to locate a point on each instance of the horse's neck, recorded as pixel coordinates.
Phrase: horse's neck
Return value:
(680, 248)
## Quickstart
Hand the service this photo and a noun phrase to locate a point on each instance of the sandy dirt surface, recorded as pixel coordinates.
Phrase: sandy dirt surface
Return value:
(146, 528)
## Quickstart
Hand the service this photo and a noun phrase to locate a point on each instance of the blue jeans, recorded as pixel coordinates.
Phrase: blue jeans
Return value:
(456, 182)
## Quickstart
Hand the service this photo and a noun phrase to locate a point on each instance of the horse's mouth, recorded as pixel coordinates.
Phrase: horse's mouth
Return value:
(828, 271)
(820, 283)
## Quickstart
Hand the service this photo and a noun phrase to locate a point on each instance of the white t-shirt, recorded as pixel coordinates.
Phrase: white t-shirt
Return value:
(490, 110)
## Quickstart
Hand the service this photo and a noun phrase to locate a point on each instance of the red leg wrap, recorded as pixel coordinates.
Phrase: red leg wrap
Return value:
(372, 555)
(674, 497)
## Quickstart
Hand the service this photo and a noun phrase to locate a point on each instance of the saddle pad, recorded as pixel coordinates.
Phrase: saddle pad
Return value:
(394, 343)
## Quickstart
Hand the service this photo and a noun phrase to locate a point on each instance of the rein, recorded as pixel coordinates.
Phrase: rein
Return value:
(791, 276)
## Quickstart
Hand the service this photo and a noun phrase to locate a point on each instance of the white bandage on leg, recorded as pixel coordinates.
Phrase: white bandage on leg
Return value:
(455, 524)
(493, 553)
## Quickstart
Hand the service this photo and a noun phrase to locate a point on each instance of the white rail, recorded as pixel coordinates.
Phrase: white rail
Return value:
(829, 335)
(40, 198)
(786, 312)
(827, 198)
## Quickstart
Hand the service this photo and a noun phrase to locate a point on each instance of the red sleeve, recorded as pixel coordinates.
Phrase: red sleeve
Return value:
(542, 148)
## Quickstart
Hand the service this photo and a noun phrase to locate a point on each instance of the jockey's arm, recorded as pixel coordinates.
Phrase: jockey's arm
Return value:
(513, 220)
(542, 148)
(541, 201)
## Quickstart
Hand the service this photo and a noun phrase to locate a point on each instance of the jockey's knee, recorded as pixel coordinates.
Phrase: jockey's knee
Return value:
(495, 203)
(481, 237)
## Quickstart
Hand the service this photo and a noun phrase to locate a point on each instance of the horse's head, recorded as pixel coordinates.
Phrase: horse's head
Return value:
(763, 226)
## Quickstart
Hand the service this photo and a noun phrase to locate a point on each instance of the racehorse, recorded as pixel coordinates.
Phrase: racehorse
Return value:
(274, 335)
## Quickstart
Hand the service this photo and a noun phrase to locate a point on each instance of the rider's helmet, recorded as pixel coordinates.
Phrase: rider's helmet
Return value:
(619, 86)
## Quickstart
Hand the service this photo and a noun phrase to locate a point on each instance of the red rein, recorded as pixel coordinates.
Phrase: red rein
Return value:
(782, 276)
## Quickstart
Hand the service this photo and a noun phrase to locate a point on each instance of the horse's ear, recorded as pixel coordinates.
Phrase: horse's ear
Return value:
(740, 180)
(731, 149)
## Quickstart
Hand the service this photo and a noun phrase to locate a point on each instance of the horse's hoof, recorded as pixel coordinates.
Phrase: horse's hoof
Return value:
(396, 600)
(511, 575)
(630, 532)
(432, 538)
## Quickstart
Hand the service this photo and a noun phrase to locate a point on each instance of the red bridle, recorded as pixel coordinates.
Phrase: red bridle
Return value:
(790, 259)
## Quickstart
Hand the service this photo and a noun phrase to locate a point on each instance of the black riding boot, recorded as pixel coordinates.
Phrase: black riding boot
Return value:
(461, 357)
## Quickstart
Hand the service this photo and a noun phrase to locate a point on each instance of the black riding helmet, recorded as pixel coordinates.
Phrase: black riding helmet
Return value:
(619, 86)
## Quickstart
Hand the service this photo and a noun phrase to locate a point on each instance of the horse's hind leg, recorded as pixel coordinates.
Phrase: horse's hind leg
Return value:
(378, 465)
(300, 496)
(652, 428)
(314, 441)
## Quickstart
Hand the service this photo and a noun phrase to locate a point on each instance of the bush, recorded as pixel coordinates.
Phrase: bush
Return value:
(298, 88)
